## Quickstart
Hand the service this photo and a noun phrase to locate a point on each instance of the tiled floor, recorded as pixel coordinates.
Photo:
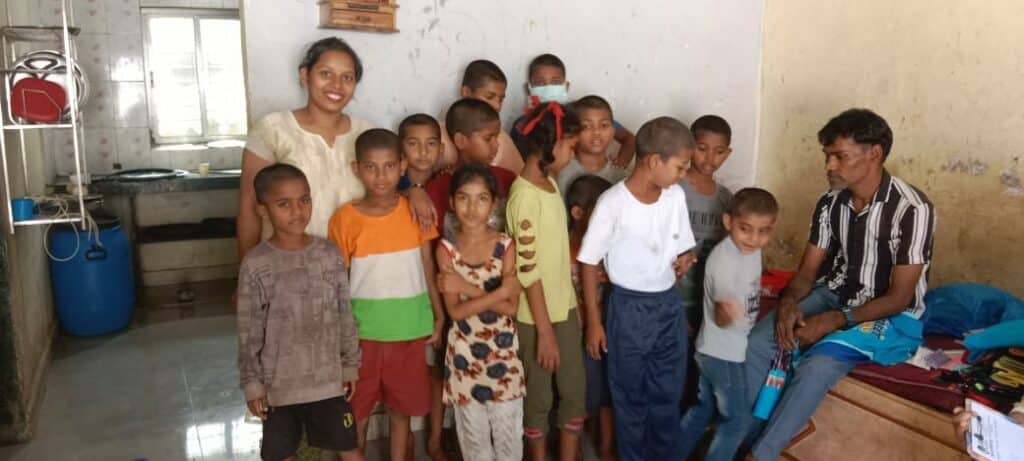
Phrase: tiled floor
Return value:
(166, 389)
(163, 391)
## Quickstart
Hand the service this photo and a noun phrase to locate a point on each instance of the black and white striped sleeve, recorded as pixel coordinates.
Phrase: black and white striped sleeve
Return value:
(821, 223)
(916, 229)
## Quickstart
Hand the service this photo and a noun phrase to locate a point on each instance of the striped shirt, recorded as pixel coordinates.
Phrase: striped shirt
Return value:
(894, 229)
(389, 287)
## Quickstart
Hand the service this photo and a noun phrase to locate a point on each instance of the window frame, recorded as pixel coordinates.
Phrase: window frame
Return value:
(195, 14)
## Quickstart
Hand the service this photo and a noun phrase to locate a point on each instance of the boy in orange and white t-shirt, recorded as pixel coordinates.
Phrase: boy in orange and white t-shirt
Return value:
(394, 300)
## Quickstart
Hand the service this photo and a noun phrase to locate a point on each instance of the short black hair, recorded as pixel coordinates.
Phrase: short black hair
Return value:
(711, 124)
(272, 174)
(583, 192)
(546, 59)
(592, 101)
(753, 200)
(541, 140)
(468, 115)
(664, 136)
(481, 71)
(469, 172)
(377, 138)
(862, 125)
(417, 120)
(323, 45)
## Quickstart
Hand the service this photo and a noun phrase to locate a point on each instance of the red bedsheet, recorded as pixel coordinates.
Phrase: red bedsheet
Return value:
(913, 383)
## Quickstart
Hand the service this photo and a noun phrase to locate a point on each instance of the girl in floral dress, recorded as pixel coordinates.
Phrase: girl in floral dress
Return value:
(484, 378)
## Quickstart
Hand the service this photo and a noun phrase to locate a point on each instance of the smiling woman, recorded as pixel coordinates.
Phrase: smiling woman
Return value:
(319, 139)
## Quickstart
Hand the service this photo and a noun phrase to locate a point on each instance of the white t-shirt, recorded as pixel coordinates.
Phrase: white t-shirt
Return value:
(730, 275)
(638, 242)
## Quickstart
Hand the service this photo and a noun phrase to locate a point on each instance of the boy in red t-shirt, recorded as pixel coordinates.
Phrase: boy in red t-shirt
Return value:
(473, 127)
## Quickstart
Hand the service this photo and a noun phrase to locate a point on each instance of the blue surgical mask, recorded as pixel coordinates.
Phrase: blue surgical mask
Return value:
(546, 93)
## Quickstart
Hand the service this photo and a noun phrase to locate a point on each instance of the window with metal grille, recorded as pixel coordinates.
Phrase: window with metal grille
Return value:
(194, 67)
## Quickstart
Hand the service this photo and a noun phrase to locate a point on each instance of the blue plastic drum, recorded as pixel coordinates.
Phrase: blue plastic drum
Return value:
(94, 290)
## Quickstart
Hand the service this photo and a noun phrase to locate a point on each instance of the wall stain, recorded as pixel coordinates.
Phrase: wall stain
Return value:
(973, 167)
(959, 163)
(1011, 179)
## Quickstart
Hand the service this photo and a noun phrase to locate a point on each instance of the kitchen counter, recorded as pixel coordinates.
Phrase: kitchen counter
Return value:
(192, 182)
(176, 210)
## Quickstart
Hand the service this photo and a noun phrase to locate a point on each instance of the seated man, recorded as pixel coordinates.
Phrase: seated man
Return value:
(874, 232)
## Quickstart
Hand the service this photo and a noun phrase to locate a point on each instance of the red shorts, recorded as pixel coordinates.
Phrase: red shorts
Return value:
(395, 373)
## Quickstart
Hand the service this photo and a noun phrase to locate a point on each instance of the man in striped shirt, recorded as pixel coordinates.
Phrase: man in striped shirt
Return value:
(859, 291)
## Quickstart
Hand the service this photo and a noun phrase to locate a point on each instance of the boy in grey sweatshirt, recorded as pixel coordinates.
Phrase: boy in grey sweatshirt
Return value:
(298, 348)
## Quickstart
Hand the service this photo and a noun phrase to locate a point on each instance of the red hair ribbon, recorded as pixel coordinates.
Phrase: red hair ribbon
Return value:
(556, 109)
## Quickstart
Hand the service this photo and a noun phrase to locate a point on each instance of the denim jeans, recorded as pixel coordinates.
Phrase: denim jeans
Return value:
(722, 396)
(807, 385)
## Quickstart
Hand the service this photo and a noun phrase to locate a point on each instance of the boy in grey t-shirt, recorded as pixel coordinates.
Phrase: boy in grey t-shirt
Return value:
(595, 116)
(706, 201)
(706, 221)
(732, 287)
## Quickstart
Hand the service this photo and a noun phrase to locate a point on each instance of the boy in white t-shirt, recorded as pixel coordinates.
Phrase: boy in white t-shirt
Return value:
(641, 230)
(732, 293)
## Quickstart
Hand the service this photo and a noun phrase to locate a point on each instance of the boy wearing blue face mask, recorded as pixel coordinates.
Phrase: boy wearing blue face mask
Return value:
(547, 83)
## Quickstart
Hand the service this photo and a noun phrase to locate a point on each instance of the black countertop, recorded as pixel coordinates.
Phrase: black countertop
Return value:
(192, 182)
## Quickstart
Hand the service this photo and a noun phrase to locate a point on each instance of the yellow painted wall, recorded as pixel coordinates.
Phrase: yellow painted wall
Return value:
(949, 78)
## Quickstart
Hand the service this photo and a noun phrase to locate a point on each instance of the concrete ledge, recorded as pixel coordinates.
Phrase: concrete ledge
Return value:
(186, 254)
(194, 274)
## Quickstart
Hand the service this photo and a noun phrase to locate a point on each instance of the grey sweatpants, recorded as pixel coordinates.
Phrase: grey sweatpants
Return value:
(490, 431)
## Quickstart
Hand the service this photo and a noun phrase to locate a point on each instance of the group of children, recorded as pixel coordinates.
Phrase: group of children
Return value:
(545, 294)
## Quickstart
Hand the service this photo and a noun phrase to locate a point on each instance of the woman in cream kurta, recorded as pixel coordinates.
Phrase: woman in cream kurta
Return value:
(278, 138)
(319, 139)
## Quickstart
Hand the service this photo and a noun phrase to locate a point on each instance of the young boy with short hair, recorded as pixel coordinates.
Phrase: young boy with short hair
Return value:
(474, 128)
(732, 292)
(591, 156)
(546, 82)
(395, 302)
(422, 147)
(706, 200)
(641, 230)
(485, 81)
(298, 350)
(420, 138)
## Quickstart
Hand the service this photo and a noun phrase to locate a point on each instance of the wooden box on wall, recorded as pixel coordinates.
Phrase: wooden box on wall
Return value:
(375, 15)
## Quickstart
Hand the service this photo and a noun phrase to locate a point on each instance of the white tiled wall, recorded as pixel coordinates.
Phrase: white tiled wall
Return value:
(116, 116)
